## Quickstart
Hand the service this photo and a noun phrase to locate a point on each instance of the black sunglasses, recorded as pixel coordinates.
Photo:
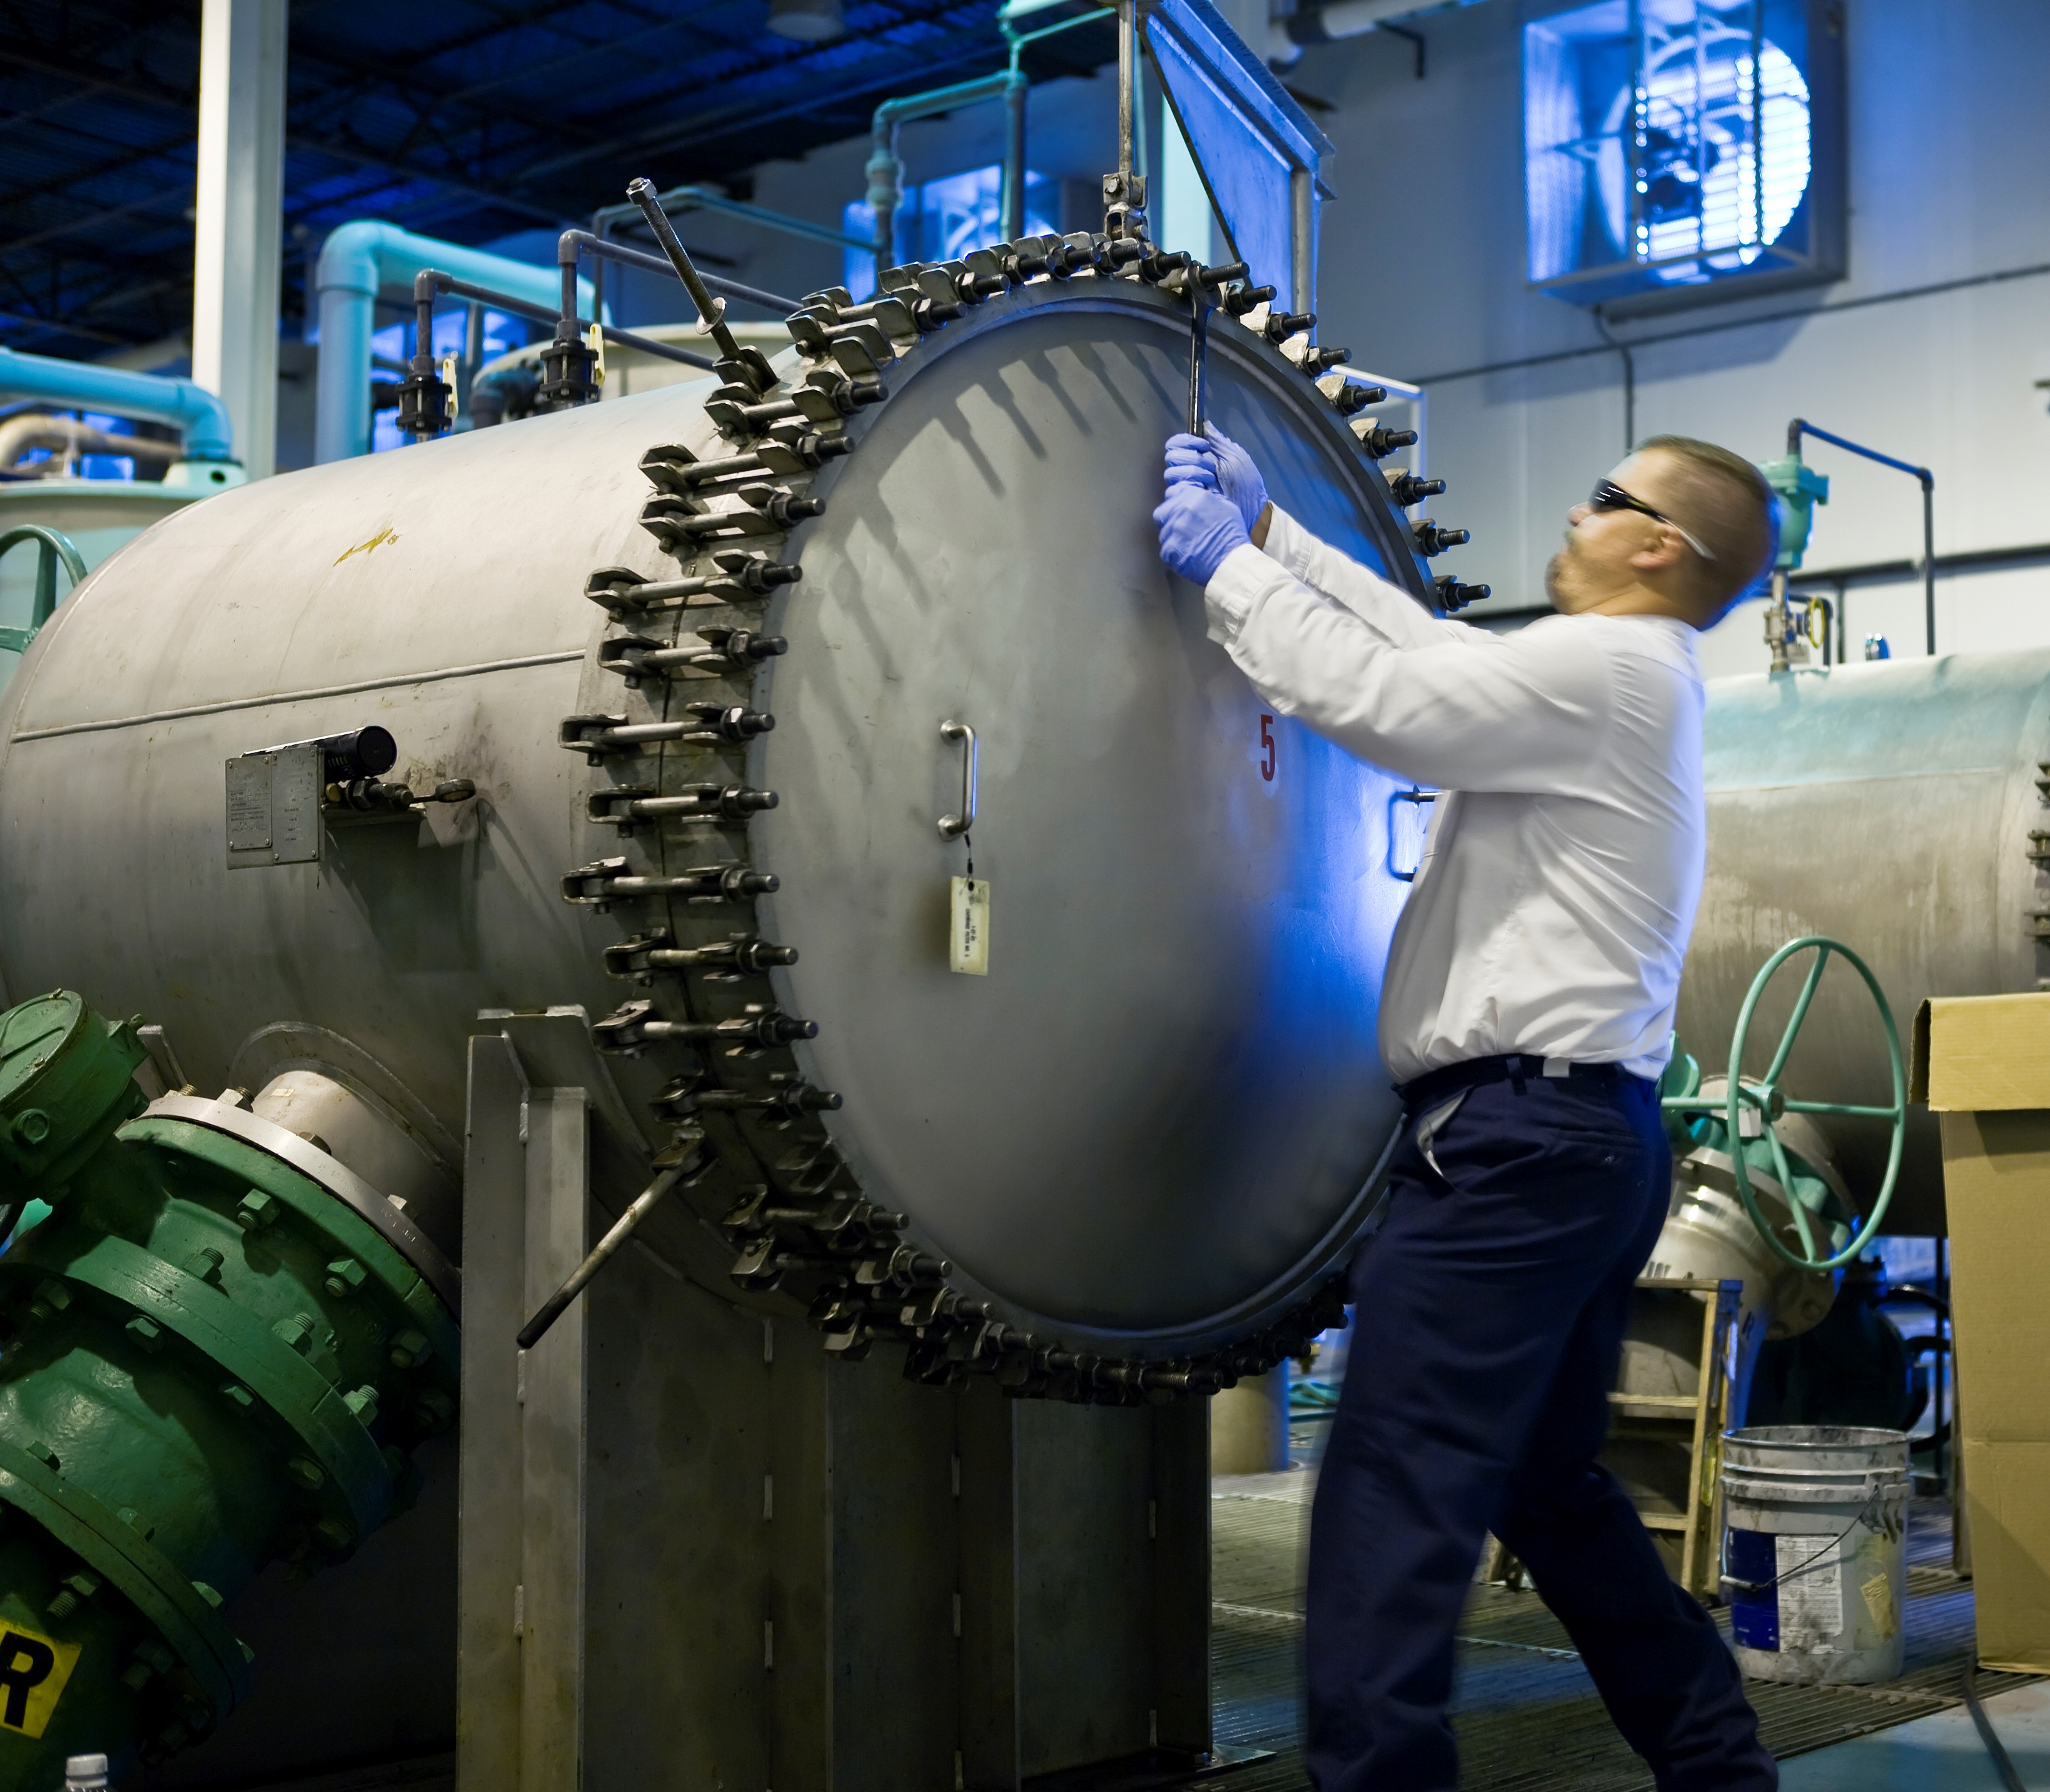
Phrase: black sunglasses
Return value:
(1608, 495)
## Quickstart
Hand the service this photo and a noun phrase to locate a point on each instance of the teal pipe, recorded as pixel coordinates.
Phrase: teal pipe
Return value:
(79, 385)
(886, 171)
(355, 263)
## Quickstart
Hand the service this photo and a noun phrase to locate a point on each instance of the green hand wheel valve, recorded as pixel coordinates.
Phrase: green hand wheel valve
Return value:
(1766, 1101)
(53, 550)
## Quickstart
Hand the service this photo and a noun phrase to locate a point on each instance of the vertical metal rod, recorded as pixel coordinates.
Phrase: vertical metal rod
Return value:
(1013, 154)
(711, 309)
(1127, 74)
(885, 181)
(1929, 562)
(1303, 234)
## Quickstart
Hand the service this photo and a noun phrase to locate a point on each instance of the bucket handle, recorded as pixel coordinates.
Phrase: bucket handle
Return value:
(1729, 1579)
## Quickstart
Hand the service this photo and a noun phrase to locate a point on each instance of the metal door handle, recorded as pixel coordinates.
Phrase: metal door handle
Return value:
(952, 826)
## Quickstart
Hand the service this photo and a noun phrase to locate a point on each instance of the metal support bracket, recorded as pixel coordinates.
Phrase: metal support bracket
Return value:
(536, 1086)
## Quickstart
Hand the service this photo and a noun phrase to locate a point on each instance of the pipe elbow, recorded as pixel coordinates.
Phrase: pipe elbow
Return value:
(353, 257)
(198, 414)
(209, 433)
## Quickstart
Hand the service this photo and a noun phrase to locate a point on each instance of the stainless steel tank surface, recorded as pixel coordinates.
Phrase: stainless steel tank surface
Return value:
(1894, 807)
(1145, 1134)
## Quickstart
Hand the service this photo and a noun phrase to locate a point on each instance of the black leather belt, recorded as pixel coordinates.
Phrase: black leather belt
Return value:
(1435, 1085)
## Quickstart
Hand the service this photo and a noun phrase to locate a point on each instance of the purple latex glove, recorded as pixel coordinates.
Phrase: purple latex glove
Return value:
(1213, 459)
(1191, 460)
(1199, 527)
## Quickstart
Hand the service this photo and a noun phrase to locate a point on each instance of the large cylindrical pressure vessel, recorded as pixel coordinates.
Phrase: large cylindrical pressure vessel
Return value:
(1895, 806)
(1143, 1135)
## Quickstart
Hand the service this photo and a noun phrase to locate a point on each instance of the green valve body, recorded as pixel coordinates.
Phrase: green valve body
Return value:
(1800, 488)
(209, 1361)
(66, 1082)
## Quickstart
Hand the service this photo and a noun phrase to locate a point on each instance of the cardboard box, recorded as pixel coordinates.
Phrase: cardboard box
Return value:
(1983, 1064)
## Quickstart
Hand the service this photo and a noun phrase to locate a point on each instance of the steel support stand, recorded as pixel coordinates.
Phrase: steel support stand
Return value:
(521, 1548)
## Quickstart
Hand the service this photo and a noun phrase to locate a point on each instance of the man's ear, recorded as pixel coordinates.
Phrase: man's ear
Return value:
(1663, 555)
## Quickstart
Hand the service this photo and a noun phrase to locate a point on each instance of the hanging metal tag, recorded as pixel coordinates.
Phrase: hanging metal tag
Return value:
(968, 932)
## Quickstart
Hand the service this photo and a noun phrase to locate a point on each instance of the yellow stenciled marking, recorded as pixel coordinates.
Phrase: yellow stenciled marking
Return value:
(386, 534)
(34, 1670)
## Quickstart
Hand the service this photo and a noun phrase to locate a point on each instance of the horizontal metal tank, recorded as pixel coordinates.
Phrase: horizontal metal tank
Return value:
(1140, 1137)
(95, 516)
(1896, 807)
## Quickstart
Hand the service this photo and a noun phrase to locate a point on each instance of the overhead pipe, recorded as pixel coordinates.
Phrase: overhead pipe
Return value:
(70, 438)
(886, 169)
(1309, 26)
(1015, 91)
(1922, 475)
(356, 262)
(83, 385)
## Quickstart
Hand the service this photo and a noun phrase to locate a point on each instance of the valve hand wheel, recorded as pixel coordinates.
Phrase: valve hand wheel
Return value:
(1765, 1097)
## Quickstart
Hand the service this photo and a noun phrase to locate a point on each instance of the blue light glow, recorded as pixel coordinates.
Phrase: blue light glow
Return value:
(942, 219)
(1666, 141)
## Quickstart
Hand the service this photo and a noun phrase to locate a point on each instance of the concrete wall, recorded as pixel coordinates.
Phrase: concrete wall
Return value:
(1422, 275)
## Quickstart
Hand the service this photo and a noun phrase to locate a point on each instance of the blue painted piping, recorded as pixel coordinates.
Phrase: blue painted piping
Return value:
(81, 385)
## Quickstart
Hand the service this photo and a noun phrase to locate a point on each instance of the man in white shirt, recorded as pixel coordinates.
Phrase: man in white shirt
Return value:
(1526, 1016)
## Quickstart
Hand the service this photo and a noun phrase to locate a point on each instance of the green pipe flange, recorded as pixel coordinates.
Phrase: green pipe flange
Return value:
(218, 1659)
(207, 1320)
(254, 1167)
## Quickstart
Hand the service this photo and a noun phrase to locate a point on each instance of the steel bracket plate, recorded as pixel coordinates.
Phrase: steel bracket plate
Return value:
(274, 806)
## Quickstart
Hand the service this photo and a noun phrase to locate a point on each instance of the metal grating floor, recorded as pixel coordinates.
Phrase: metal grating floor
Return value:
(1527, 1715)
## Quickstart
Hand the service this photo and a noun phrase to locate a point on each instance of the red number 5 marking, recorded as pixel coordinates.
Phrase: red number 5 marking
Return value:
(1266, 743)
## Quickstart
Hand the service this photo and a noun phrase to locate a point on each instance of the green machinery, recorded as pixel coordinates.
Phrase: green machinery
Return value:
(219, 1348)
(1799, 488)
(1745, 1112)
(53, 550)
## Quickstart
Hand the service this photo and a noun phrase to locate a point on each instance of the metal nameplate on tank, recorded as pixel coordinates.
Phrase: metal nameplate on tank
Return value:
(274, 806)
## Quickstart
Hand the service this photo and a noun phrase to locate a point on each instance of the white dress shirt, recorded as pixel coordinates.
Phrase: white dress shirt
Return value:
(1551, 912)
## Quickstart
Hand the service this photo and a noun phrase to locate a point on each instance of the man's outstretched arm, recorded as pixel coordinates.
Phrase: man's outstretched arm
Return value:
(1379, 603)
(1213, 461)
(1527, 712)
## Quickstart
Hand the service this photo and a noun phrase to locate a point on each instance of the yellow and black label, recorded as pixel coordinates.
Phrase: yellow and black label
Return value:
(33, 1671)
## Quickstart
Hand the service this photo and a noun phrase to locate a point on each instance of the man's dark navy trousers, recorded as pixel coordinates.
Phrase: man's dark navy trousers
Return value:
(1488, 1317)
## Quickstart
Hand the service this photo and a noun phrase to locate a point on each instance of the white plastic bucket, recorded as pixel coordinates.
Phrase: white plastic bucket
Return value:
(1814, 1556)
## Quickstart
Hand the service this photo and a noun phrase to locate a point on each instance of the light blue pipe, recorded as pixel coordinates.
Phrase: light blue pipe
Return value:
(358, 259)
(114, 391)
